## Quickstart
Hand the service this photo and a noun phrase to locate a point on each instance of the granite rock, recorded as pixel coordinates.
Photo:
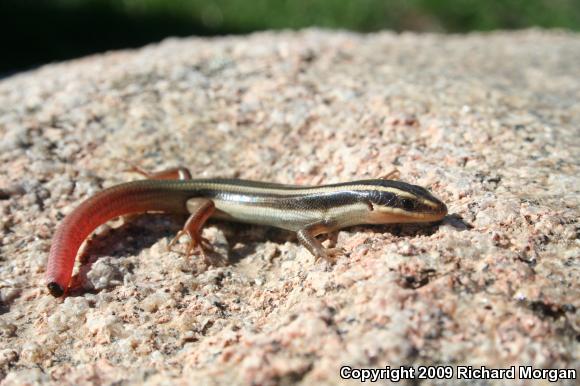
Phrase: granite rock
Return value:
(489, 122)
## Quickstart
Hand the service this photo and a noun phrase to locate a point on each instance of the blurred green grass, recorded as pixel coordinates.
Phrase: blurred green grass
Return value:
(37, 31)
(221, 16)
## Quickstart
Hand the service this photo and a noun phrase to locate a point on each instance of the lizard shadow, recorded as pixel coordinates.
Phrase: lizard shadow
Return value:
(145, 230)
(414, 229)
(120, 242)
(457, 222)
(249, 237)
(421, 229)
(241, 240)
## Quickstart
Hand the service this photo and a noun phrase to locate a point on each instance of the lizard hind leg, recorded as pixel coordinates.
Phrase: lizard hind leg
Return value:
(392, 175)
(201, 209)
(177, 173)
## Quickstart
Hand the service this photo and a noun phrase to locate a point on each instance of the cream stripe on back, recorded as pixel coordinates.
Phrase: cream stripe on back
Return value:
(298, 190)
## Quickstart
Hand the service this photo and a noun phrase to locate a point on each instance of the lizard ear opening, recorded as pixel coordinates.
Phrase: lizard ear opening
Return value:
(370, 205)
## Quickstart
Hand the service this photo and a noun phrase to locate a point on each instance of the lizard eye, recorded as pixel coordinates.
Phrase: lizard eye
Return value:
(407, 204)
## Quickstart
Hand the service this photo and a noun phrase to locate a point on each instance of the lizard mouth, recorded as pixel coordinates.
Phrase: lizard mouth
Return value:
(437, 214)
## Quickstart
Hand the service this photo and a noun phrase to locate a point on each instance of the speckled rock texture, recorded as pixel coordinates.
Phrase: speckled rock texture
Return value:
(489, 122)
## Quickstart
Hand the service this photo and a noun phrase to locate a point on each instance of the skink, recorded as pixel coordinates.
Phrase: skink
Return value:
(307, 210)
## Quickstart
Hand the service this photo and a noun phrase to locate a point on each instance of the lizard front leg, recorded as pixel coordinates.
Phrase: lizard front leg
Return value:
(307, 237)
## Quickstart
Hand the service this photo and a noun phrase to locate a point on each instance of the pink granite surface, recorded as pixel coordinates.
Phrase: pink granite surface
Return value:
(489, 122)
